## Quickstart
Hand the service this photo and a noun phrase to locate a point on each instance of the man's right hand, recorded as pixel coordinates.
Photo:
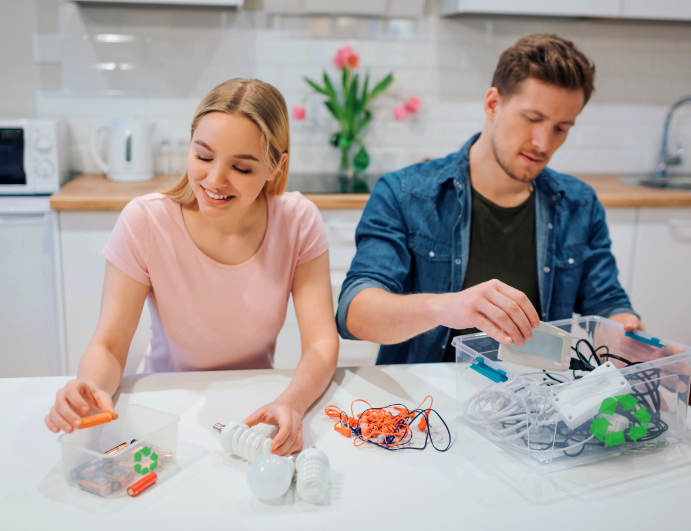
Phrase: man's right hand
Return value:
(76, 400)
(502, 312)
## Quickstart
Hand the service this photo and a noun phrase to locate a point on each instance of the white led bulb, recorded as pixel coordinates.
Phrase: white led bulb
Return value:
(237, 438)
(269, 476)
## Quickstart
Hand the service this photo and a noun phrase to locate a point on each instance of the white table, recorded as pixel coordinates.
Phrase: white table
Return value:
(473, 486)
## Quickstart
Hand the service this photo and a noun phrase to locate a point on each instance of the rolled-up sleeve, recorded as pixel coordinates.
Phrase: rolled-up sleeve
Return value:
(382, 259)
(600, 292)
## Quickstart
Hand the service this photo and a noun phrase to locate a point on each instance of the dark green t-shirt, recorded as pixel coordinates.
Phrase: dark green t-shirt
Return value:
(502, 246)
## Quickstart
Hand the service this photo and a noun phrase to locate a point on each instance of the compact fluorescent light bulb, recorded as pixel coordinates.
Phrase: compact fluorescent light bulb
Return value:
(269, 476)
(239, 439)
(313, 475)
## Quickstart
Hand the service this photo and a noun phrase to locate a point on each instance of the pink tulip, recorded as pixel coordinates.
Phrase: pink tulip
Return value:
(299, 112)
(400, 112)
(346, 58)
(413, 104)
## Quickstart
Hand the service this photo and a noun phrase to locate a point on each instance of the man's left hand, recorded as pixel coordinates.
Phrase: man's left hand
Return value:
(629, 320)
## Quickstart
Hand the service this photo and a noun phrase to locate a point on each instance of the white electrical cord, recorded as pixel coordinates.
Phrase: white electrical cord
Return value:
(497, 406)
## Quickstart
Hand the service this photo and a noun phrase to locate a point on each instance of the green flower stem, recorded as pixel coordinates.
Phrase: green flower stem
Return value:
(345, 157)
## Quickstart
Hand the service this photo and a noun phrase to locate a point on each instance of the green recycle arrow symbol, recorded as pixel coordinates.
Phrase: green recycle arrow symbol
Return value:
(152, 457)
(608, 407)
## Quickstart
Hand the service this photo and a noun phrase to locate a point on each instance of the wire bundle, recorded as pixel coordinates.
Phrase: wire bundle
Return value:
(514, 413)
(388, 427)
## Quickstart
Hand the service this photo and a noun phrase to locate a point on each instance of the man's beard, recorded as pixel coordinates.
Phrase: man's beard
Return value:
(504, 166)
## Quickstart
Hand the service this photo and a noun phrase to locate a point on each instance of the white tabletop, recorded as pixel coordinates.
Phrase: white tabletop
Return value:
(473, 486)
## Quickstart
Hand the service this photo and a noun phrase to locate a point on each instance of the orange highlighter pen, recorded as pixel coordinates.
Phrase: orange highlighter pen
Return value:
(95, 420)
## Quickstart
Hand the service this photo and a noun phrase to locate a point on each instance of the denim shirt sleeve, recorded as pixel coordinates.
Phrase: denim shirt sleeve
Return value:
(600, 292)
(382, 259)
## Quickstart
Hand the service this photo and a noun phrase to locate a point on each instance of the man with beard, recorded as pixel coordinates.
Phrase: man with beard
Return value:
(488, 239)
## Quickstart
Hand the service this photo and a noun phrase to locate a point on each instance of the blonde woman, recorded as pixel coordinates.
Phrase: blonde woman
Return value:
(217, 255)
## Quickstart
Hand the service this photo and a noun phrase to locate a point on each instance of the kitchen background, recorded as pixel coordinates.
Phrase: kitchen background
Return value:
(81, 61)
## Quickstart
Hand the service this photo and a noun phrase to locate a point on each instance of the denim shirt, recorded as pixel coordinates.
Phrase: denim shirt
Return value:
(414, 237)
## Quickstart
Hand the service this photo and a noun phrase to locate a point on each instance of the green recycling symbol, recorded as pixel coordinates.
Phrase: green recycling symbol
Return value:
(608, 407)
(152, 458)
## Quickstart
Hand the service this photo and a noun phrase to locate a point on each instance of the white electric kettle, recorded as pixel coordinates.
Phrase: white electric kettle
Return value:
(130, 156)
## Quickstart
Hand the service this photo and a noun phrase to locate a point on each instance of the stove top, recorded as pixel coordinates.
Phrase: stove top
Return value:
(329, 183)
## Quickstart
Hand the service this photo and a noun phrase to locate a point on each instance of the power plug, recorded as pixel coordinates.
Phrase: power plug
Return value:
(581, 399)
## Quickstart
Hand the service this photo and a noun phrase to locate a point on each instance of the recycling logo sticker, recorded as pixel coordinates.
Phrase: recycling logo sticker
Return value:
(145, 455)
(608, 407)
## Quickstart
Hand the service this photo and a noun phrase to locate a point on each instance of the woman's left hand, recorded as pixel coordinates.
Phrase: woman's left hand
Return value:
(288, 419)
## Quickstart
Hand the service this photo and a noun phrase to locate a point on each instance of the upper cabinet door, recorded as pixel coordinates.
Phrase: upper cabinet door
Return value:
(382, 8)
(559, 8)
(221, 3)
(658, 9)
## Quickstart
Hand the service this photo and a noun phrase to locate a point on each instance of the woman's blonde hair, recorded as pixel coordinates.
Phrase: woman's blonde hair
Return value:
(261, 103)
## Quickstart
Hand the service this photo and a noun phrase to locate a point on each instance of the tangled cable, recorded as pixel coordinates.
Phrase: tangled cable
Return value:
(517, 415)
(388, 427)
(513, 414)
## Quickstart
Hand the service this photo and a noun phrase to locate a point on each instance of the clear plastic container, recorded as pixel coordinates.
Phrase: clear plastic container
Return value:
(552, 425)
(152, 438)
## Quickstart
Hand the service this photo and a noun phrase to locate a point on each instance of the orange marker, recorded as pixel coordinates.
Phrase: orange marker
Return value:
(142, 484)
(95, 420)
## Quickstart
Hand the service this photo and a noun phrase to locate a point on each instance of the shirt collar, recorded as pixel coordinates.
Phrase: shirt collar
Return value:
(544, 183)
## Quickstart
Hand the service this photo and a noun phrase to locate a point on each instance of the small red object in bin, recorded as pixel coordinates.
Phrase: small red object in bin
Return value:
(142, 484)
(95, 420)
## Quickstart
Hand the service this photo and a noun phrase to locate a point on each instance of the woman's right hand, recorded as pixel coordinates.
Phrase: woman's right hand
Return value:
(76, 400)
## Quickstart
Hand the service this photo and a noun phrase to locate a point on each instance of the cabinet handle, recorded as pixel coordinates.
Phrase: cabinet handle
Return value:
(679, 222)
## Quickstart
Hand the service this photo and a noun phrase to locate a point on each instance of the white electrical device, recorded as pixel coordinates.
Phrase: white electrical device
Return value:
(581, 400)
(549, 349)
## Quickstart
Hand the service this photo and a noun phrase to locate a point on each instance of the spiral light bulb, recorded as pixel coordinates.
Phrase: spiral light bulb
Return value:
(270, 476)
(312, 466)
(239, 439)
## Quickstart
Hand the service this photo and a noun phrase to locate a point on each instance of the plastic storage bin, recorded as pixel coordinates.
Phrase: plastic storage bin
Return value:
(551, 425)
(87, 466)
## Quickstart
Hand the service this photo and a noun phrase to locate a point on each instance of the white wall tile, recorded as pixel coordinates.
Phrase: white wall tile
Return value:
(176, 56)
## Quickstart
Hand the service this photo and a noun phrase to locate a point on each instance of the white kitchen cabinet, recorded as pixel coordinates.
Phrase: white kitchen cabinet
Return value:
(220, 3)
(383, 8)
(31, 321)
(83, 235)
(622, 232)
(560, 8)
(340, 229)
(661, 290)
(658, 9)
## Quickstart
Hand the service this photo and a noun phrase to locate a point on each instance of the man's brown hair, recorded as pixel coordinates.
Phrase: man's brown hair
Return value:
(547, 58)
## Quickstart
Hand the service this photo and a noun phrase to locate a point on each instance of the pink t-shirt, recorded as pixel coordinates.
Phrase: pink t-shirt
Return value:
(206, 315)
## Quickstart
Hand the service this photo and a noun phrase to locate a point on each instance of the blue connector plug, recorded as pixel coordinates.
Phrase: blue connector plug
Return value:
(653, 341)
(496, 375)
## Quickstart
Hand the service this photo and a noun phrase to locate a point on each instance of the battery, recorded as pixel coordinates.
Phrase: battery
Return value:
(142, 484)
(118, 447)
(100, 486)
(119, 477)
(77, 473)
(95, 420)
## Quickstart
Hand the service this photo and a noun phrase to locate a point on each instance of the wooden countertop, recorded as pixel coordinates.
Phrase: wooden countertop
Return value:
(95, 192)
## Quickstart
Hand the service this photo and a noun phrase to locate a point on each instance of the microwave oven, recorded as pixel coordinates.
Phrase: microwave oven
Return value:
(33, 156)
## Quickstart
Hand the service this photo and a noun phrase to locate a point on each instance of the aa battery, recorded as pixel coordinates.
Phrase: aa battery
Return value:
(142, 484)
(99, 485)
